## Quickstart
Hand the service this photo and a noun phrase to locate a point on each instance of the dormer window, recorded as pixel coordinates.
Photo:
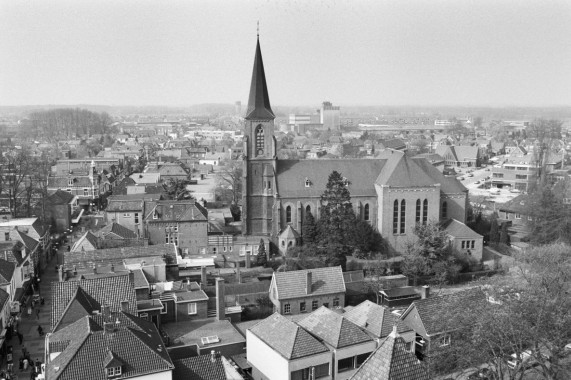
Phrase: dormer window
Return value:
(307, 182)
(113, 371)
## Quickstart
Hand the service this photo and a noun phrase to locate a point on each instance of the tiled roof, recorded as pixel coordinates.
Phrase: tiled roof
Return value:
(403, 171)
(4, 297)
(125, 205)
(375, 319)
(6, 271)
(191, 296)
(60, 197)
(459, 229)
(118, 230)
(289, 233)
(91, 293)
(448, 185)
(391, 361)
(140, 281)
(292, 284)
(146, 177)
(29, 242)
(291, 176)
(104, 257)
(87, 348)
(176, 211)
(437, 313)
(333, 328)
(12, 251)
(287, 338)
(89, 237)
(203, 367)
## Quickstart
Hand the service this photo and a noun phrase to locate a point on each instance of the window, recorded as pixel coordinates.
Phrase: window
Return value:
(396, 217)
(6, 236)
(269, 185)
(361, 358)
(164, 310)
(345, 364)
(402, 216)
(366, 212)
(230, 248)
(473, 243)
(288, 214)
(444, 210)
(287, 308)
(155, 215)
(144, 315)
(321, 370)
(445, 341)
(68, 190)
(520, 176)
(518, 216)
(424, 211)
(136, 218)
(113, 371)
(307, 209)
(85, 192)
(259, 140)
(326, 304)
(408, 346)
(335, 302)
(498, 175)
(126, 215)
(70, 182)
(224, 249)
(314, 305)
(417, 219)
(463, 244)
(310, 373)
(192, 308)
(302, 307)
(214, 250)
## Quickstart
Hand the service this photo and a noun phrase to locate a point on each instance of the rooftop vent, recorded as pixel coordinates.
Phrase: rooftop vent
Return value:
(210, 339)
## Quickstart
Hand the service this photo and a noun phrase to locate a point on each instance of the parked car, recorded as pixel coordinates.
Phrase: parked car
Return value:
(470, 175)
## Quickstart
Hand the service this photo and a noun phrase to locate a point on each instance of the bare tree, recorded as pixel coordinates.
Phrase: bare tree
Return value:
(229, 181)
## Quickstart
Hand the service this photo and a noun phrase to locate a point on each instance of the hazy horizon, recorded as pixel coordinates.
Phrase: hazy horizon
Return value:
(352, 53)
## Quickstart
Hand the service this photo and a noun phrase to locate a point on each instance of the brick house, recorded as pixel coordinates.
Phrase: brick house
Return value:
(304, 291)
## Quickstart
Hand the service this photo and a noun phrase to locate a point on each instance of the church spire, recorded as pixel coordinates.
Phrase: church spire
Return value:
(259, 102)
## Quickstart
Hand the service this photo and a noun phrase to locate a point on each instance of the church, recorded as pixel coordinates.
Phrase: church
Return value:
(393, 192)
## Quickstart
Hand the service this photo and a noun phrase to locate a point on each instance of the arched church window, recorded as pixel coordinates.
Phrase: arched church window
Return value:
(288, 214)
(424, 211)
(366, 212)
(418, 211)
(259, 140)
(402, 216)
(396, 217)
(307, 209)
(444, 210)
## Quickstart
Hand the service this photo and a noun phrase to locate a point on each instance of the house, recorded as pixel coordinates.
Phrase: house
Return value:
(183, 223)
(463, 239)
(348, 344)
(392, 360)
(34, 237)
(460, 155)
(203, 367)
(146, 178)
(435, 319)
(279, 349)
(59, 208)
(73, 300)
(378, 322)
(128, 210)
(169, 171)
(108, 345)
(17, 270)
(304, 291)
(182, 300)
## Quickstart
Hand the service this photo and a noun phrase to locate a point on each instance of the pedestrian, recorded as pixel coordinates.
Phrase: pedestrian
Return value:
(40, 330)
(42, 301)
(24, 351)
(38, 313)
(20, 337)
(26, 363)
(21, 363)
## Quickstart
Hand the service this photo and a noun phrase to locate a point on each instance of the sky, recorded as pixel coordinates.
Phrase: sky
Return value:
(355, 52)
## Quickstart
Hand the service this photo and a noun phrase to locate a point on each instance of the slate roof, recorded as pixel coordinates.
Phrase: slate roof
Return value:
(116, 205)
(459, 229)
(437, 313)
(12, 251)
(29, 242)
(146, 177)
(291, 175)
(104, 257)
(63, 182)
(289, 233)
(6, 271)
(259, 101)
(375, 319)
(328, 280)
(60, 197)
(201, 367)
(448, 185)
(403, 171)
(90, 237)
(391, 361)
(287, 338)
(87, 348)
(117, 231)
(84, 296)
(183, 211)
(333, 328)
(140, 281)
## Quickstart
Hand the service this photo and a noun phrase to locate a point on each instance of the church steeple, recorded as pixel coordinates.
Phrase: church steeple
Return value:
(259, 102)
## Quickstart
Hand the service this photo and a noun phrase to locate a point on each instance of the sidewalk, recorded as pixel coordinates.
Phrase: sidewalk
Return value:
(28, 325)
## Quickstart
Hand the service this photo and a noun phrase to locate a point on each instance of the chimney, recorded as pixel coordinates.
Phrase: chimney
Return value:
(213, 356)
(106, 311)
(238, 274)
(308, 283)
(425, 292)
(203, 282)
(247, 259)
(220, 304)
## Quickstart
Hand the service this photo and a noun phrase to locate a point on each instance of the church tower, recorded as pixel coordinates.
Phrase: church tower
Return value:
(259, 166)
